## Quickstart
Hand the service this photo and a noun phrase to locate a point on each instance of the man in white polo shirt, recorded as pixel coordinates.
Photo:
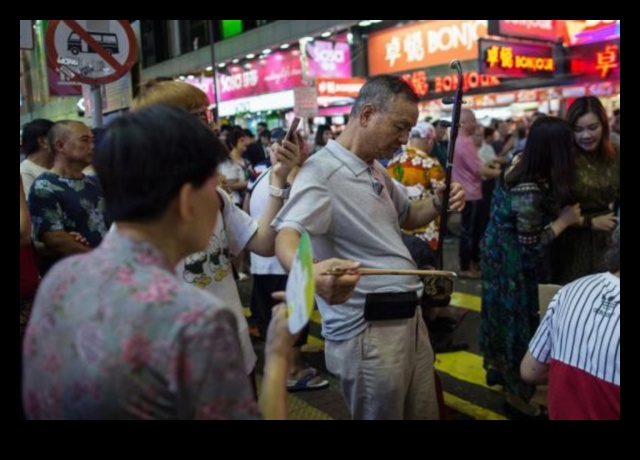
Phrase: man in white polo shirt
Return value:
(375, 339)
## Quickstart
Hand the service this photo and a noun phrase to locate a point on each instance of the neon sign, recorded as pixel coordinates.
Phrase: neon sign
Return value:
(599, 61)
(422, 85)
(515, 59)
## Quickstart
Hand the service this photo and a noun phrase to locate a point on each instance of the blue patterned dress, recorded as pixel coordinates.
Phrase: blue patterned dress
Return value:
(514, 261)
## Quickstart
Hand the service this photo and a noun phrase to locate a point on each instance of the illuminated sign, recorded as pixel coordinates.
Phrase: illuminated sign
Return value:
(339, 87)
(515, 59)
(423, 85)
(541, 29)
(424, 44)
(328, 59)
(581, 32)
(278, 71)
(596, 60)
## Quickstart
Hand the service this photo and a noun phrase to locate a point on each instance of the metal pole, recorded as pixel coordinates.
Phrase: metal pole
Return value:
(96, 107)
(215, 80)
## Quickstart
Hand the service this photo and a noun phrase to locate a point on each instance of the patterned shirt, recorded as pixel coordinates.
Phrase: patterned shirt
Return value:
(114, 334)
(72, 205)
(420, 174)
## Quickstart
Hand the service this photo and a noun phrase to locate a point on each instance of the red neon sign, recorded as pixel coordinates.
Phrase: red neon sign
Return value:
(422, 85)
(514, 59)
(597, 60)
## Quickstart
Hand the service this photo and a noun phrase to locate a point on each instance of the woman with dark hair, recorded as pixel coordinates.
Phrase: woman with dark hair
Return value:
(323, 134)
(35, 145)
(115, 333)
(596, 185)
(527, 214)
(236, 168)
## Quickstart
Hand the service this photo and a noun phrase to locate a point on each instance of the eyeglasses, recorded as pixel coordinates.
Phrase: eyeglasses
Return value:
(206, 116)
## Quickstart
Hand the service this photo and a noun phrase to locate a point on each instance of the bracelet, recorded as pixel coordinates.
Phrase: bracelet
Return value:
(279, 192)
(586, 222)
(437, 204)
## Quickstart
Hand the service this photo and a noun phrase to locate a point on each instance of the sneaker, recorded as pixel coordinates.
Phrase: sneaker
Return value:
(242, 276)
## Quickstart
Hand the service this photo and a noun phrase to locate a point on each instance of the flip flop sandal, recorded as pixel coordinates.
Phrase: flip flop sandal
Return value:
(305, 383)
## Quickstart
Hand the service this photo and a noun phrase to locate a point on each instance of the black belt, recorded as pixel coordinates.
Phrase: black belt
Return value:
(390, 305)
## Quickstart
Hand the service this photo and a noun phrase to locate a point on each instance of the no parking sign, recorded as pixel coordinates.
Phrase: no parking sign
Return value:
(94, 52)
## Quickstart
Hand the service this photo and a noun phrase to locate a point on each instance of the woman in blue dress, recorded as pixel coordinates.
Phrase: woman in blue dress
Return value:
(529, 210)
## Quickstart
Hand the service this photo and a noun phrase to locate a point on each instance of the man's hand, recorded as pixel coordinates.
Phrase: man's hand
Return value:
(224, 185)
(456, 196)
(336, 289)
(286, 156)
(79, 238)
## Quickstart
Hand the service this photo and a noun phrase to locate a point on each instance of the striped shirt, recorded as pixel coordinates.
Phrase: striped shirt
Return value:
(579, 338)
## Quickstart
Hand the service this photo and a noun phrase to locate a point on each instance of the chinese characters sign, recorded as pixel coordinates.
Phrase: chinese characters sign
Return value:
(596, 60)
(516, 59)
(425, 44)
(339, 87)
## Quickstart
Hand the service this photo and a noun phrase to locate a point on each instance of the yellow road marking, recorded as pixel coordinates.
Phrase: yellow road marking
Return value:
(468, 301)
(467, 408)
(465, 366)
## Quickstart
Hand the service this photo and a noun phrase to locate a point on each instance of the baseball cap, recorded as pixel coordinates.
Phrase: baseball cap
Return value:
(443, 123)
(421, 130)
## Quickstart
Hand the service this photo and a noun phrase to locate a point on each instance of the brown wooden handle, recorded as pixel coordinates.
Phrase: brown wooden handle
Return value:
(384, 271)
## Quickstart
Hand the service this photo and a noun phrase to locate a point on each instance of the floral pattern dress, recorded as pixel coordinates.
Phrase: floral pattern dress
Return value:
(514, 261)
(114, 334)
(420, 173)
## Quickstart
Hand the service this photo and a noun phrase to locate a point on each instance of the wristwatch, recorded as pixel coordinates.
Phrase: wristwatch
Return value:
(279, 192)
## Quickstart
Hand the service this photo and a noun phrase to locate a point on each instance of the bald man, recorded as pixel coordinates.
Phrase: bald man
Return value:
(64, 199)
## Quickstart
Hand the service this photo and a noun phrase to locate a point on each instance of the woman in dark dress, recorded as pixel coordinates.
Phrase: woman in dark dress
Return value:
(529, 210)
(580, 251)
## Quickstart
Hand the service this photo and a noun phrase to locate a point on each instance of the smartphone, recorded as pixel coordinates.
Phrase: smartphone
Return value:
(292, 129)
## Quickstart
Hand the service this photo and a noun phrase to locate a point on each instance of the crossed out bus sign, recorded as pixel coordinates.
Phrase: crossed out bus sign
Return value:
(94, 52)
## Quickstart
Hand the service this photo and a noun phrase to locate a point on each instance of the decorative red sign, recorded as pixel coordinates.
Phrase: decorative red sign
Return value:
(596, 60)
(516, 59)
(422, 85)
(89, 51)
(540, 29)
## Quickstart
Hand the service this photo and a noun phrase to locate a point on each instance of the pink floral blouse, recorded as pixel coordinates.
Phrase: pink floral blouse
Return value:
(115, 335)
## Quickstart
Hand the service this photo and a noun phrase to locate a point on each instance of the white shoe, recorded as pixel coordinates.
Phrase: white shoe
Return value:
(242, 276)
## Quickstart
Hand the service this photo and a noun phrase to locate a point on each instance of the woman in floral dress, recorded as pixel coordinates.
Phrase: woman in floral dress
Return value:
(526, 215)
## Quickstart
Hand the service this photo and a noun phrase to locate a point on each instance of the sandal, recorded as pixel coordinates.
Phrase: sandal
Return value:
(309, 381)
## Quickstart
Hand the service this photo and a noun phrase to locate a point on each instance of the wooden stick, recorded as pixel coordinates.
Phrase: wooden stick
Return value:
(383, 271)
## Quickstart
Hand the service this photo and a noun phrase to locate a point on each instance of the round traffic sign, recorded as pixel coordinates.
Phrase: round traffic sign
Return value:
(90, 51)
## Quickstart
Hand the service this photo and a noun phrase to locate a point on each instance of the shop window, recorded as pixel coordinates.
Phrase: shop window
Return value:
(154, 42)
